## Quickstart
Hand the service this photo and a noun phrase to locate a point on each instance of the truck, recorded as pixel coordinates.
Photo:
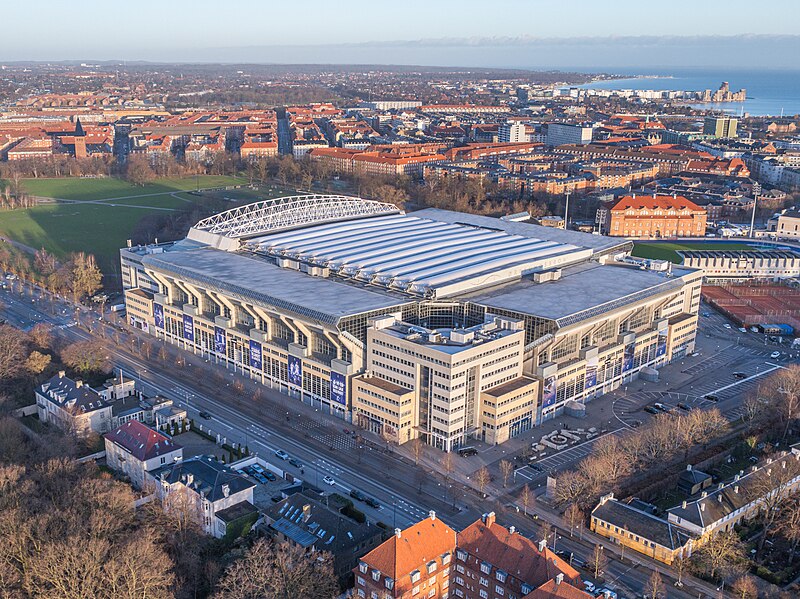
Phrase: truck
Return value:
(118, 308)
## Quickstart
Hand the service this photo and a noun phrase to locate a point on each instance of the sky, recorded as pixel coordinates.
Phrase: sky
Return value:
(499, 33)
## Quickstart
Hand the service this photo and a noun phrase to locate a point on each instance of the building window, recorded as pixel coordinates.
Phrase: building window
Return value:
(501, 576)
(461, 555)
(499, 590)
(486, 568)
(362, 567)
(376, 575)
(415, 576)
(431, 567)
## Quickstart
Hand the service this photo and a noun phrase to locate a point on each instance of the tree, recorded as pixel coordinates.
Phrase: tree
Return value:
(41, 336)
(37, 362)
(482, 478)
(85, 357)
(783, 388)
(719, 551)
(281, 571)
(788, 526)
(138, 170)
(447, 465)
(526, 497)
(655, 585)
(86, 276)
(506, 468)
(13, 349)
(416, 449)
(598, 560)
(573, 516)
(745, 587)
(772, 487)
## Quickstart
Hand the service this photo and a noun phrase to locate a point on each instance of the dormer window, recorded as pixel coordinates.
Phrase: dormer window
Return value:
(461, 555)
(362, 567)
(415, 576)
(389, 583)
(431, 567)
(376, 575)
(486, 568)
(445, 559)
(501, 576)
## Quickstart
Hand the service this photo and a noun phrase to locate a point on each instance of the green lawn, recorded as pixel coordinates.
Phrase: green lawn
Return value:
(101, 189)
(100, 229)
(669, 250)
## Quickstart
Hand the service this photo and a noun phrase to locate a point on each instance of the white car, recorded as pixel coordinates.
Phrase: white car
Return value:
(282, 454)
(328, 480)
(775, 355)
(727, 326)
(588, 586)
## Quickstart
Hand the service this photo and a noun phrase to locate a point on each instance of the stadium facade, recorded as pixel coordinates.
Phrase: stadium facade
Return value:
(434, 324)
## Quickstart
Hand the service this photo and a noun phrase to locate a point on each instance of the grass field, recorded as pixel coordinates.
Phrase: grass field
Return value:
(669, 250)
(105, 214)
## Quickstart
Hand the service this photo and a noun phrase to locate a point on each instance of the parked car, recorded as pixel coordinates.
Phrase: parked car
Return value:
(356, 494)
(727, 326)
(684, 407)
(204, 414)
(740, 375)
(295, 463)
(652, 410)
(607, 593)
(270, 475)
(372, 502)
(465, 452)
(742, 330)
(328, 480)
(588, 586)
(282, 455)
(775, 355)
(711, 397)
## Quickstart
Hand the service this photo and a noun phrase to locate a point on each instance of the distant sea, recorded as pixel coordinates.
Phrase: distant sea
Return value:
(768, 91)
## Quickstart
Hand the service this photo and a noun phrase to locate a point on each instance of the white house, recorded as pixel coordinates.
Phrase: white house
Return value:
(135, 449)
(203, 487)
(72, 406)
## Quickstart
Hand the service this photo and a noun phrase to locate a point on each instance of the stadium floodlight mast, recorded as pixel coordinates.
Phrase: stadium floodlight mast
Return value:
(756, 192)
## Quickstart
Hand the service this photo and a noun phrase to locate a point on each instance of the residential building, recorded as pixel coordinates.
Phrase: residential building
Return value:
(73, 406)
(415, 562)
(722, 507)
(632, 527)
(559, 134)
(720, 126)
(316, 527)
(494, 562)
(643, 217)
(786, 224)
(202, 487)
(134, 449)
(512, 132)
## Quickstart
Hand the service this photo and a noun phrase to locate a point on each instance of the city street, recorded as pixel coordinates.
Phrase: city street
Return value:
(271, 421)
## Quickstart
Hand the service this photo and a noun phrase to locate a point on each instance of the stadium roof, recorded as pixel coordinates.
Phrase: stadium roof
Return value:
(416, 255)
(254, 279)
(582, 292)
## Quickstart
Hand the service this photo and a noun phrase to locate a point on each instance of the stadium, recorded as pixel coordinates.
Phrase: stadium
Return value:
(434, 324)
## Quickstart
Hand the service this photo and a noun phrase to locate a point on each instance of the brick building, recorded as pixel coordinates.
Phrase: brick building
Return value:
(655, 217)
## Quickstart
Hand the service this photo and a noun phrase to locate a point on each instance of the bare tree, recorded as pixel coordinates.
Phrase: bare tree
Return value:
(482, 478)
(772, 486)
(85, 357)
(147, 349)
(598, 560)
(416, 449)
(745, 587)
(655, 585)
(280, 571)
(719, 551)
(41, 336)
(13, 349)
(506, 468)
(526, 497)
(788, 526)
(447, 465)
(783, 389)
(573, 516)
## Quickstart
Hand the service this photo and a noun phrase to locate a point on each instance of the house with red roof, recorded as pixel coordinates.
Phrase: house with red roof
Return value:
(135, 449)
(655, 216)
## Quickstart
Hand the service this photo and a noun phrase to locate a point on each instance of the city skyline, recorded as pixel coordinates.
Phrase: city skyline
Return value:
(540, 34)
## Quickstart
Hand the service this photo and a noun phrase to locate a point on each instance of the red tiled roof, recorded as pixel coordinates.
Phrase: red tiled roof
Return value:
(665, 202)
(563, 590)
(416, 546)
(141, 441)
(513, 553)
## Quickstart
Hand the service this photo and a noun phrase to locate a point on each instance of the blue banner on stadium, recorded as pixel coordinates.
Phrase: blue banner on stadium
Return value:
(549, 391)
(295, 371)
(256, 357)
(220, 341)
(627, 357)
(188, 328)
(661, 348)
(338, 388)
(158, 315)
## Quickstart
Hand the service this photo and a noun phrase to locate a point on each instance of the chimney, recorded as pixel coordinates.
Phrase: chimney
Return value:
(432, 515)
(226, 490)
(688, 467)
(683, 505)
(512, 530)
(559, 578)
(397, 532)
(78, 384)
(703, 495)
(189, 478)
(702, 507)
(720, 486)
(488, 519)
(719, 497)
(736, 489)
(61, 374)
(542, 545)
(306, 512)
